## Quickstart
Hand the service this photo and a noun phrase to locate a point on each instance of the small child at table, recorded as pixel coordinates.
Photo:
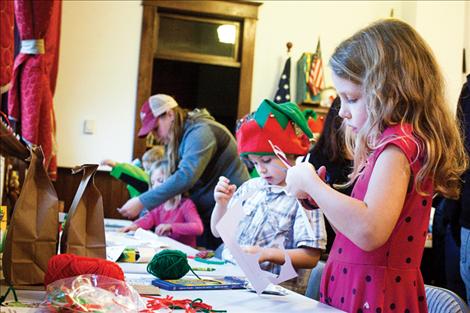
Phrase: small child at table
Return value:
(136, 177)
(176, 218)
(270, 213)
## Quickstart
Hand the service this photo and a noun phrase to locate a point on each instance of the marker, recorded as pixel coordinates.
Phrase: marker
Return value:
(204, 269)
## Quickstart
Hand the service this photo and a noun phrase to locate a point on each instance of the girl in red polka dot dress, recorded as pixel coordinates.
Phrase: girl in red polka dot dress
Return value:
(406, 147)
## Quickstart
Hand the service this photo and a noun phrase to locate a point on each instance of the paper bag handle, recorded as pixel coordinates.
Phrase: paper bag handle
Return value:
(88, 171)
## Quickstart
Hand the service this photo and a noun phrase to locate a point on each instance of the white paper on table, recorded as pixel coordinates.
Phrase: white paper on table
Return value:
(146, 254)
(152, 239)
(259, 279)
(114, 252)
(122, 239)
(141, 238)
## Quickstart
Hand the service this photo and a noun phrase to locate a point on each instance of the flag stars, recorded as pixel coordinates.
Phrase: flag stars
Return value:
(283, 91)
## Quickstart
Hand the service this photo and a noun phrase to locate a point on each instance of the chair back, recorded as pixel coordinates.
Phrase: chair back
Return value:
(313, 286)
(441, 300)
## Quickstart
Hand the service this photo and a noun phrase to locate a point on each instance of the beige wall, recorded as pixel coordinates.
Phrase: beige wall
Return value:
(97, 80)
(467, 37)
(442, 24)
(100, 50)
(302, 23)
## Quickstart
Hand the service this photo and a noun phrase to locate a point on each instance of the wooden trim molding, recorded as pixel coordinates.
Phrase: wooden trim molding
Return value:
(246, 70)
(148, 44)
(239, 9)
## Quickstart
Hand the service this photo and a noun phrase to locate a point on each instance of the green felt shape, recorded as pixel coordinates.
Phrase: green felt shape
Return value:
(310, 113)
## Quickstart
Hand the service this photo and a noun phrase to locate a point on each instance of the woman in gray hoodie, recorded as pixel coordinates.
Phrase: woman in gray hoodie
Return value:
(199, 149)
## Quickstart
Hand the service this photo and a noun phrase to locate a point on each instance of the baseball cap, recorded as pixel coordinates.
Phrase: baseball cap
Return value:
(155, 106)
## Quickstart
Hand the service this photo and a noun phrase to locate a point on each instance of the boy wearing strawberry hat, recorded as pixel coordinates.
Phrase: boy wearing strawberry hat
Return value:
(270, 213)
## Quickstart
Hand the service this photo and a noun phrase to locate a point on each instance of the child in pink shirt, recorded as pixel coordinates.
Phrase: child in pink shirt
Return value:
(176, 218)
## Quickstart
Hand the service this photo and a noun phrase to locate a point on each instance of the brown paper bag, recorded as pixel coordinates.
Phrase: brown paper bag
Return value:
(33, 232)
(84, 228)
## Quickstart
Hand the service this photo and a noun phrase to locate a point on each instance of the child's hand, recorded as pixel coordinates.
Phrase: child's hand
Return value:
(251, 249)
(224, 191)
(265, 254)
(163, 229)
(108, 162)
(299, 177)
(132, 227)
(307, 202)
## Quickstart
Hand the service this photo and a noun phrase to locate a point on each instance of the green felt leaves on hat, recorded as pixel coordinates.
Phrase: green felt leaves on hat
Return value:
(310, 113)
(283, 112)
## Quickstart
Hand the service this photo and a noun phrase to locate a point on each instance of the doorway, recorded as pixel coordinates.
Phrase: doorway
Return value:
(197, 85)
(183, 54)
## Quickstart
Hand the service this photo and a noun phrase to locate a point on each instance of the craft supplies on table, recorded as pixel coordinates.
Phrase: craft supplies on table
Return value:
(192, 283)
(204, 269)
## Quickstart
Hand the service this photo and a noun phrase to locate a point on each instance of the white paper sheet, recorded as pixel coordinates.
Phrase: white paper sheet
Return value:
(114, 252)
(141, 238)
(259, 279)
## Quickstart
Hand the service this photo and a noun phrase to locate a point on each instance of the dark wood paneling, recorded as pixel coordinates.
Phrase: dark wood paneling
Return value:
(114, 192)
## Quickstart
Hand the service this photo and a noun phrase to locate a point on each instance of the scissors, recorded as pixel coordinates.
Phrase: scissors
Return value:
(280, 154)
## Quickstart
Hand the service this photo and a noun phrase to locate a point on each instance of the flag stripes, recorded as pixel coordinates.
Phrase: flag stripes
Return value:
(315, 79)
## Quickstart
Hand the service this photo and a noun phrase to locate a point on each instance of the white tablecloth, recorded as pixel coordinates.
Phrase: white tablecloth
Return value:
(242, 300)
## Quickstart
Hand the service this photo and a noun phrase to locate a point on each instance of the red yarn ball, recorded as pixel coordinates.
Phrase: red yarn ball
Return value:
(69, 265)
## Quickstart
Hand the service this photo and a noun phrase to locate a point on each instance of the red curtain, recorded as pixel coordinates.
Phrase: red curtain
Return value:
(7, 43)
(34, 76)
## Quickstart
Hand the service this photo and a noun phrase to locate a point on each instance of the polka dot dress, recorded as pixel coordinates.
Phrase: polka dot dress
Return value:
(387, 279)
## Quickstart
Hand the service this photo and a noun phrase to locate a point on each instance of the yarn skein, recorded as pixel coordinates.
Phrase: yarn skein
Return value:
(69, 265)
(169, 264)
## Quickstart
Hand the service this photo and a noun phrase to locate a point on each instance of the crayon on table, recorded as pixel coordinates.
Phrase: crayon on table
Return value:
(204, 269)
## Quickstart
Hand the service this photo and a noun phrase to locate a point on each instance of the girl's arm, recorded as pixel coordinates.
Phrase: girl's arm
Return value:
(301, 257)
(148, 221)
(192, 224)
(367, 223)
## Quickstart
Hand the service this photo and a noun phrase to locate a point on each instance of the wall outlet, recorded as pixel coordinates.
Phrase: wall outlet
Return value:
(89, 127)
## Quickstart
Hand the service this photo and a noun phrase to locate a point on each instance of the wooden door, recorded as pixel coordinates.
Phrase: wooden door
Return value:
(234, 68)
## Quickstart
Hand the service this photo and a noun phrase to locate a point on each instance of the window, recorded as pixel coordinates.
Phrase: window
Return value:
(202, 40)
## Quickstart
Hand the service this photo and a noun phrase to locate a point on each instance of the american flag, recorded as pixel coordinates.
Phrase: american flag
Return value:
(283, 90)
(315, 79)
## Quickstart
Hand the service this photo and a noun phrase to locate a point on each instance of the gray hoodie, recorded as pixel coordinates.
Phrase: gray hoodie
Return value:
(207, 151)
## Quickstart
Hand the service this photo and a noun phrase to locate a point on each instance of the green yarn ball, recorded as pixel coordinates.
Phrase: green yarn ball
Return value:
(169, 264)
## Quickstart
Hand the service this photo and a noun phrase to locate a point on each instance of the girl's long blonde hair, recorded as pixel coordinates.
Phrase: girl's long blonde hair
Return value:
(402, 84)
